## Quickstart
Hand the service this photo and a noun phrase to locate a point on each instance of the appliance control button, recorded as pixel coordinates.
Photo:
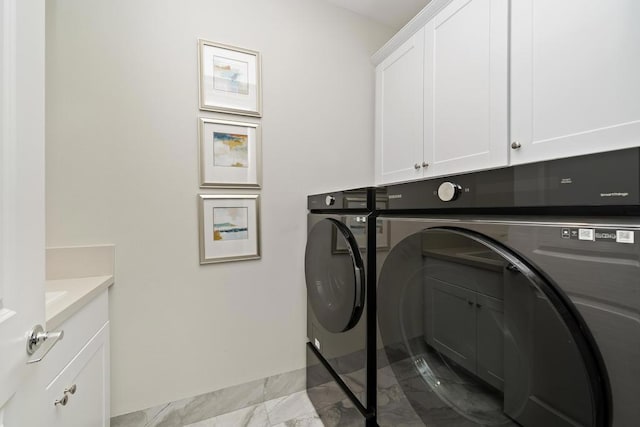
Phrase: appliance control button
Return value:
(448, 191)
(330, 200)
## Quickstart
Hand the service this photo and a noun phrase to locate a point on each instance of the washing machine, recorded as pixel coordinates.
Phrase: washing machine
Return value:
(340, 353)
(511, 297)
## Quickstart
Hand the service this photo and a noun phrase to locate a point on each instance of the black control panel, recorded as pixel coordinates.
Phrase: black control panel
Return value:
(359, 199)
(603, 179)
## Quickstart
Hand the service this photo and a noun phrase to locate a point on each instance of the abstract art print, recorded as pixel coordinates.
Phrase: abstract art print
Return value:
(229, 79)
(230, 150)
(230, 224)
(229, 227)
(230, 75)
(229, 154)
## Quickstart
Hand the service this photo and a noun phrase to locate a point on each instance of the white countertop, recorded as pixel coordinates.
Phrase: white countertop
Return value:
(67, 296)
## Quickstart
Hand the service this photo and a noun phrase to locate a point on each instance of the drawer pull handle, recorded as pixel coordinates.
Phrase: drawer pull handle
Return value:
(63, 401)
(71, 390)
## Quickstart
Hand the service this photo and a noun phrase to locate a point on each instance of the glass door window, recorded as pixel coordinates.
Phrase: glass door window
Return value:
(474, 336)
(334, 273)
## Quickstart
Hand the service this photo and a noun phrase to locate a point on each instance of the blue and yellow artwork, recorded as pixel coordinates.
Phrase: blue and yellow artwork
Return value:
(230, 223)
(230, 150)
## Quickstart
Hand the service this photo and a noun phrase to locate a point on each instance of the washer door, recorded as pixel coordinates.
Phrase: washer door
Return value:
(475, 336)
(334, 274)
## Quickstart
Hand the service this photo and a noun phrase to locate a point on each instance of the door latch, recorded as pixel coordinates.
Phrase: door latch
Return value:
(40, 342)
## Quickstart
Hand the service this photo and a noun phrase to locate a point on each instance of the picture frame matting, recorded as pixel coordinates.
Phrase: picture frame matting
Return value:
(229, 227)
(230, 79)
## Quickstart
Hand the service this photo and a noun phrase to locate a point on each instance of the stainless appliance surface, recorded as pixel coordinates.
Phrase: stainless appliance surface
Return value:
(512, 296)
(337, 306)
(511, 321)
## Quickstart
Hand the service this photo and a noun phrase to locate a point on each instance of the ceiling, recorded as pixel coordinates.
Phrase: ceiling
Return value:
(393, 13)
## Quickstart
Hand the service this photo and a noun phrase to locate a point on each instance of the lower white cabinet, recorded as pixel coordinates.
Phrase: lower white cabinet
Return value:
(464, 318)
(79, 395)
(72, 387)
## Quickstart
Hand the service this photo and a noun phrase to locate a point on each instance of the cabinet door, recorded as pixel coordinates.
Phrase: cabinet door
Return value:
(453, 323)
(466, 87)
(490, 324)
(89, 372)
(574, 82)
(399, 114)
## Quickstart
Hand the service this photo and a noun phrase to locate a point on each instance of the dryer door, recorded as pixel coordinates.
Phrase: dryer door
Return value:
(334, 274)
(476, 336)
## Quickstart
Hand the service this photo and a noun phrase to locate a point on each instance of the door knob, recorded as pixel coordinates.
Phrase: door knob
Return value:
(40, 342)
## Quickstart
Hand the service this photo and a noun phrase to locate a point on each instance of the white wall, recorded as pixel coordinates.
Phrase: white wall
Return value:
(122, 109)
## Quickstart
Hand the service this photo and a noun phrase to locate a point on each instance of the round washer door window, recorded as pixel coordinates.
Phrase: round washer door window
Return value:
(475, 336)
(334, 273)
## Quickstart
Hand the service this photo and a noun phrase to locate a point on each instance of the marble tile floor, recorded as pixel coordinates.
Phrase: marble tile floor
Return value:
(295, 410)
(282, 401)
(291, 410)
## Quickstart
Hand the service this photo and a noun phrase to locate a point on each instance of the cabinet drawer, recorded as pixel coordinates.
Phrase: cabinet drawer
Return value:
(88, 373)
(78, 330)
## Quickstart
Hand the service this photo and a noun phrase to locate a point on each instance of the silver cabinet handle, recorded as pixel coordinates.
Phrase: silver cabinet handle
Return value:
(425, 164)
(515, 145)
(63, 401)
(417, 166)
(40, 342)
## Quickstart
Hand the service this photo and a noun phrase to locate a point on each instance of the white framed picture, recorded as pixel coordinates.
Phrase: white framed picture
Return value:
(229, 227)
(230, 154)
(229, 79)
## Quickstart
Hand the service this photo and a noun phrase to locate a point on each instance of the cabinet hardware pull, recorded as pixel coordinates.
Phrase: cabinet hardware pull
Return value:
(515, 145)
(478, 305)
(425, 164)
(470, 302)
(63, 401)
(417, 166)
(71, 389)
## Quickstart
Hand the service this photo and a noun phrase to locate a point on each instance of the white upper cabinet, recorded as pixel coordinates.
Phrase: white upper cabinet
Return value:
(399, 103)
(442, 96)
(574, 84)
(466, 87)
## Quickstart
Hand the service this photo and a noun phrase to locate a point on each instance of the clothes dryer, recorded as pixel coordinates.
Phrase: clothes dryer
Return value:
(512, 297)
(339, 304)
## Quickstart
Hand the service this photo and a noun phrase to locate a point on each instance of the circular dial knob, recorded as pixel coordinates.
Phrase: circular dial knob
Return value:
(329, 200)
(448, 191)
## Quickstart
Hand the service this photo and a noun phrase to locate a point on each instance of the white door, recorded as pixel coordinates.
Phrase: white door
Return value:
(574, 77)
(466, 87)
(21, 197)
(399, 113)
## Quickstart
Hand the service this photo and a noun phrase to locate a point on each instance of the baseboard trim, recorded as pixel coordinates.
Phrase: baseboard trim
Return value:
(212, 404)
